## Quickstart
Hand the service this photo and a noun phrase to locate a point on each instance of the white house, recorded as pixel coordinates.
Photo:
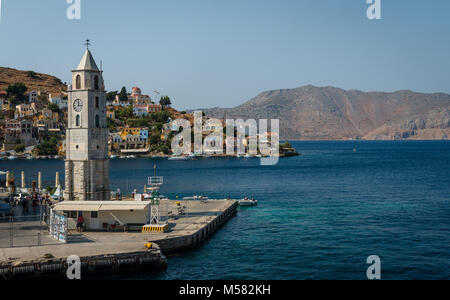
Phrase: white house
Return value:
(33, 96)
(58, 100)
(106, 215)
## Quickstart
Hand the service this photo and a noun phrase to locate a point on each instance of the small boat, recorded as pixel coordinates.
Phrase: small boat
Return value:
(178, 158)
(248, 202)
(112, 157)
(12, 158)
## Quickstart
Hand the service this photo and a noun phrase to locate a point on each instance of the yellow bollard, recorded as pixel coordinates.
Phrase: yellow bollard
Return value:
(149, 245)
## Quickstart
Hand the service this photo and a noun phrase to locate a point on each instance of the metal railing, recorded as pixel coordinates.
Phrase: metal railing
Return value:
(20, 230)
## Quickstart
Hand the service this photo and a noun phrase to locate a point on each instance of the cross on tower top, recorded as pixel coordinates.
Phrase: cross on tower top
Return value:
(87, 43)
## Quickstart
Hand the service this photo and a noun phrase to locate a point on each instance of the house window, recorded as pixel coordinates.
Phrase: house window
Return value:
(78, 82)
(97, 100)
(96, 82)
(77, 121)
(94, 214)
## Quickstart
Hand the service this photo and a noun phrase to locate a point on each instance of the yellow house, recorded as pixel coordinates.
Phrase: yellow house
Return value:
(130, 131)
(47, 114)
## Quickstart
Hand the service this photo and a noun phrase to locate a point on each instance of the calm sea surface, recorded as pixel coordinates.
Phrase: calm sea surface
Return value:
(320, 215)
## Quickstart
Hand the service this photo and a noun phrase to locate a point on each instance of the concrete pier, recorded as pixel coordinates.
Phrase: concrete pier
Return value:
(114, 251)
(94, 259)
(187, 232)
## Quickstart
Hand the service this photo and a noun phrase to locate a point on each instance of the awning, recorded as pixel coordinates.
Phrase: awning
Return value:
(119, 207)
(77, 207)
(100, 206)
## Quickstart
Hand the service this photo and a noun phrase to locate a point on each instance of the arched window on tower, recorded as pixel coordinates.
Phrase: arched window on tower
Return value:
(78, 82)
(96, 85)
(77, 121)
(97, 102)
(97, 121)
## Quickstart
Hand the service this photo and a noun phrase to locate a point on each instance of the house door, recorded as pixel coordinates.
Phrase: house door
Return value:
(93, 221)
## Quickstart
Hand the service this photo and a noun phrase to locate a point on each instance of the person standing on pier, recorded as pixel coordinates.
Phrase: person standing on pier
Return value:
(80, 222)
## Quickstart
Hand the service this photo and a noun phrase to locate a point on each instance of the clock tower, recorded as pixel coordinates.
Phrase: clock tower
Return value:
(87, 162)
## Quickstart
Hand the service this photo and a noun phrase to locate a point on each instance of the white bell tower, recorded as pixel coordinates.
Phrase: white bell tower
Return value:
(87, 162)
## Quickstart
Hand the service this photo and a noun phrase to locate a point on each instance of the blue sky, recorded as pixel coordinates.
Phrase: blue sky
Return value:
(206, 53)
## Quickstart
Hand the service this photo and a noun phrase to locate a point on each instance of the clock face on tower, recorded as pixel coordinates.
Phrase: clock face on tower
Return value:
(78, 105)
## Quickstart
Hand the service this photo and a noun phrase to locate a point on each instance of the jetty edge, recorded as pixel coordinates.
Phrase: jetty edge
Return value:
(94, 260)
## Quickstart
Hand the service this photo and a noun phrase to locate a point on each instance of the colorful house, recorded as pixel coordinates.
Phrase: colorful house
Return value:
(145, 110)
(111, 115)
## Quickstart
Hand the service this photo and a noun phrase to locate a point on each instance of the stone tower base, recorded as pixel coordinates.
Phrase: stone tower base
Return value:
(89, 178)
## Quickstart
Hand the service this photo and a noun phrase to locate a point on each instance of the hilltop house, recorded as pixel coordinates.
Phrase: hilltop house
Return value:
(136, 98)
(145, 110)
(32, 96)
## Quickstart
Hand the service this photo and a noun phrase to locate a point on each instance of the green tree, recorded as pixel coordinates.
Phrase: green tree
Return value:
(123, 96)
(165, 101)
(47, 148)
(53, 107)
(112, 95)
(31, 74)
(125, 112)
(17, 91)
(286, 145)
(19, 148)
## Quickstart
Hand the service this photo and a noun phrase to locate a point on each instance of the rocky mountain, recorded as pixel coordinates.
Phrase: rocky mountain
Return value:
(329, 113)
(33, 81)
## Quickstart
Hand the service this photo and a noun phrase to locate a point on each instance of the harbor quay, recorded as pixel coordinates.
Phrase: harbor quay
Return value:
(115, 250)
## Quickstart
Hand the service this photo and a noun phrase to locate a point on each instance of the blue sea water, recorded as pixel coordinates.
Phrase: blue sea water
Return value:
(320, 215)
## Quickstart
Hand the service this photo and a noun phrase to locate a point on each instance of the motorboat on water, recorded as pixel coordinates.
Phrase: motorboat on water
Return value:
(178, 158)
(248, 202)
(12, 158)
